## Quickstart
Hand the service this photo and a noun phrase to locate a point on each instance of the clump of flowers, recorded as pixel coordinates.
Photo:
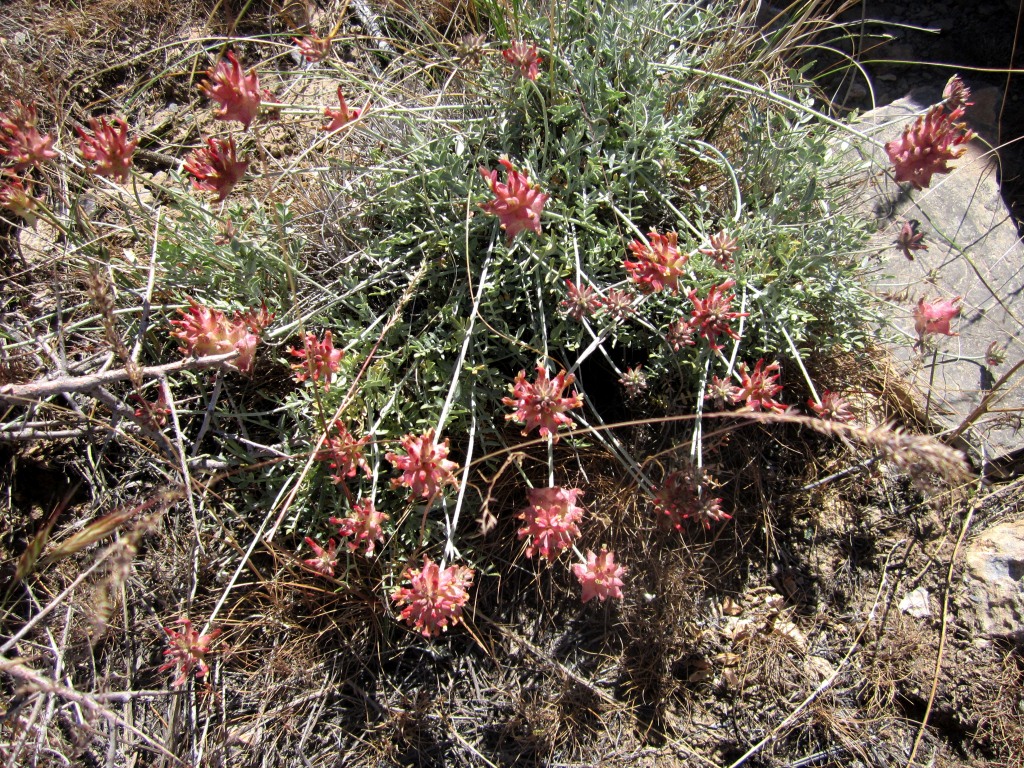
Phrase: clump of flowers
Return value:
(934, 317)
(313, 48)
(238, 94)
(542, 403)
(108, 148)
(425, 466)
(216, 166)
(341, 116)
(658, 262)
(364, 526)
(618, 305)
(956, 93)
(910, 238)
(344, 453)
(927, 145)
(684, 495)
(711, 316)
(204, 331)
(582, 301)
(833, 407)
(721, 391)
(152, 414)
(679, 334)
(550, 520)
(758, 387)
(525, 58)
(434, 598)
(16, 198)
(721, 249)
(600, 576)
(517, 203)
(995, 355)
(21, 144)
(324, 561)
(319, 359)
(188, 651)
(634, 381)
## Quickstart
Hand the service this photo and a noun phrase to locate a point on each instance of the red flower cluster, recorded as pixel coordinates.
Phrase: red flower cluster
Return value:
(108, 148)
(758, 387)
(525, 58)
(684, 496)
(551, 520)
(344, 453)
(710, 317)
(313, 48)
(17, 198)
(721, 250)
(425, 467)
(582, 301)
(216, 167)
(320, 360)
(658, 262)
(517, 204)
(541, 403)
(21, 144)
(204, 331)
(324, 561)
(362, 526)
(434, 598)
(910, 239)
(341, 116)
(927, 145)
(618, 305)
(833, 407)
(188, 651)
(238, 94)
(600, 576)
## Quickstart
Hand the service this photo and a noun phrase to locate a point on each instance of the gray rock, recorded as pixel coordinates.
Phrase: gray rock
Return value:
(995, 580)
(973, 251)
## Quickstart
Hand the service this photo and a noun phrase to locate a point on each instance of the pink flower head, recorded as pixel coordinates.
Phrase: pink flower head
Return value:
(16, 198)
(658, 264)
(634, 381)
(684, 496)
(344, 453)
(204, 331)
(524, 57)
(425, 467)
(833, 407)
(239, 95)
(710, 317)
(341, 116)
(618, 305)
(517, 204)
(600, 576)
(956, 94)
(325, 560)
(108, 148)
(721, 249)
(363, 526)
(721, 391)
(188, 651)
(759, 387)
(910, 239)
(541, 403)
(216, 167)
(581, 302)
(934, 317)
(152, 414)
(320, 360)
(313, 48)
(551, 520)
(927, 145)
(995, 355)
(679, 334)
(434, 598)
(21, 144)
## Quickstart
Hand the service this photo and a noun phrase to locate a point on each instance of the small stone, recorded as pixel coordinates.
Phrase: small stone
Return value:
(916, 604)
(995, 580)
